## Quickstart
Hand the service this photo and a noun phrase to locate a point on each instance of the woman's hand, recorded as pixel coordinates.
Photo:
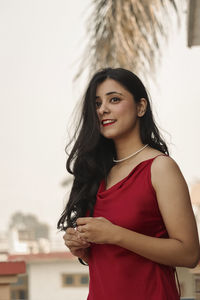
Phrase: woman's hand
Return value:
(96, 230)
(77, 246)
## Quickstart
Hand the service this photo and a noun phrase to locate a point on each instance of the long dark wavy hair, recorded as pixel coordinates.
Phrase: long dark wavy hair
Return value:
(92, 154)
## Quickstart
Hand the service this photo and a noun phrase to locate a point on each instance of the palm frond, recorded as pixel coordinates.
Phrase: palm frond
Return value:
(126, 33)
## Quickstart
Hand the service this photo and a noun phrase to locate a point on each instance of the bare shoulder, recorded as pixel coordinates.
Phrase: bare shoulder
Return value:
(164, 165)
(166, 172)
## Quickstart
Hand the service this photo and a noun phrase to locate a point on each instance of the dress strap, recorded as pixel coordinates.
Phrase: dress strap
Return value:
(163, 154)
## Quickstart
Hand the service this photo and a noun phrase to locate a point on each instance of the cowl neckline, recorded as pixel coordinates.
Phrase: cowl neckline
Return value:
(102, 187)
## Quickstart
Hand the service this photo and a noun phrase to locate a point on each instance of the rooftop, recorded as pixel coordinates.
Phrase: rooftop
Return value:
(42, 257)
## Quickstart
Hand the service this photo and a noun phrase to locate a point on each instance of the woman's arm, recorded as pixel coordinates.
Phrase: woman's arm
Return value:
(182, 246)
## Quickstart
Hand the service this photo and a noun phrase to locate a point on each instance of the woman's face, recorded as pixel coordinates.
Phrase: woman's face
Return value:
(117, 110)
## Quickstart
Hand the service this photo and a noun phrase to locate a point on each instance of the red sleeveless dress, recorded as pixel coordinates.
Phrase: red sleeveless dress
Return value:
(115, 272)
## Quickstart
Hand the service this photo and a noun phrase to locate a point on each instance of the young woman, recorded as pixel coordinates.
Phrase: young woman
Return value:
(129, 214)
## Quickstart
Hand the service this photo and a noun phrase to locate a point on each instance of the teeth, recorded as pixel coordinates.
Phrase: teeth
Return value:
(107, 121)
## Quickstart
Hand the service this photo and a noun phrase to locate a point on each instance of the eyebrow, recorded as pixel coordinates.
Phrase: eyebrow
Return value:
(109, 93)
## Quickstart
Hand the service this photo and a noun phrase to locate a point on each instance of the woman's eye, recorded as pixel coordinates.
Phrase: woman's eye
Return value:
(114, 99)
(98, 104)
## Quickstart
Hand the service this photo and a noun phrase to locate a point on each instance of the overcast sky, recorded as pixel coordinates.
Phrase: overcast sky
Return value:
(40, 42)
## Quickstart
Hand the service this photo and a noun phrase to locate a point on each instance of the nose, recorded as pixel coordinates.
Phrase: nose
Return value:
(103, 109)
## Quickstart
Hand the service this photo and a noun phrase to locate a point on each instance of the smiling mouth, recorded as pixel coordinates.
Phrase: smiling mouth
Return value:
(108, 122)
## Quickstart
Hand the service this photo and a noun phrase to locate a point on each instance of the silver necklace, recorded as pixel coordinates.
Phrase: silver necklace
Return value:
(119, 160)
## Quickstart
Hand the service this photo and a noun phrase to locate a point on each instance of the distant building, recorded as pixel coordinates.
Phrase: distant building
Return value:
(190, 278)
(56, 241)
(17, 241)
(195, 198)
(21, 241)
(188, 283)
(56, 275)
(3, 242)
(193, 23)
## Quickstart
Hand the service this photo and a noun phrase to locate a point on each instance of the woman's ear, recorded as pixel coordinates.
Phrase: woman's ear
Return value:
(141, 107)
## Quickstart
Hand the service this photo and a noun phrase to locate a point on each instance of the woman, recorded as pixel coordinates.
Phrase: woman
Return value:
(129, 214)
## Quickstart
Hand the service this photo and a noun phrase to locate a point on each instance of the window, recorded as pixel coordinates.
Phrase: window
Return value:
(197, 287)
(69, 280)
(84, 279)
(19, 289)
(18, 294)
(20, 281)
(22, 294)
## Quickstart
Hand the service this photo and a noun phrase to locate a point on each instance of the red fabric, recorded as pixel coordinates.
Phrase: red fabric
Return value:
(117, 273)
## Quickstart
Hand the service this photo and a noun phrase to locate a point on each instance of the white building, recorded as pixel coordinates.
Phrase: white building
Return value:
(50, 276)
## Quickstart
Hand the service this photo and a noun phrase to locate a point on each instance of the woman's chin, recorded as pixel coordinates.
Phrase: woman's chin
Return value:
(110, 135)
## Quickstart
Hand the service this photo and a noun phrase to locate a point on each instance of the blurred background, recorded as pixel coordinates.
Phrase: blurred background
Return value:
(48, 51)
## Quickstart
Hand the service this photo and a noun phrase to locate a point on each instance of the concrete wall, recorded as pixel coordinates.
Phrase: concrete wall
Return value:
(186, 279)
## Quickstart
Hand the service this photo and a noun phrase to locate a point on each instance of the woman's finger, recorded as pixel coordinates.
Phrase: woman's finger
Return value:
(77, 244)
(72, 244)
(82, 228)
(71, 230)
(76, 241)
(77, 247)
(72, 237)
(69, 233)
(84, 236)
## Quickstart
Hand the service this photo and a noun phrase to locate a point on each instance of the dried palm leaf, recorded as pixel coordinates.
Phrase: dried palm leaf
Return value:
(126, 33)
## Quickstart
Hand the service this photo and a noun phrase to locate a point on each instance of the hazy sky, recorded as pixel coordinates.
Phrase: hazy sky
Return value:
(40, 41)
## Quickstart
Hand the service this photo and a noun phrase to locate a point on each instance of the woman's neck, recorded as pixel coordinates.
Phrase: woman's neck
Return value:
(125, 147)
